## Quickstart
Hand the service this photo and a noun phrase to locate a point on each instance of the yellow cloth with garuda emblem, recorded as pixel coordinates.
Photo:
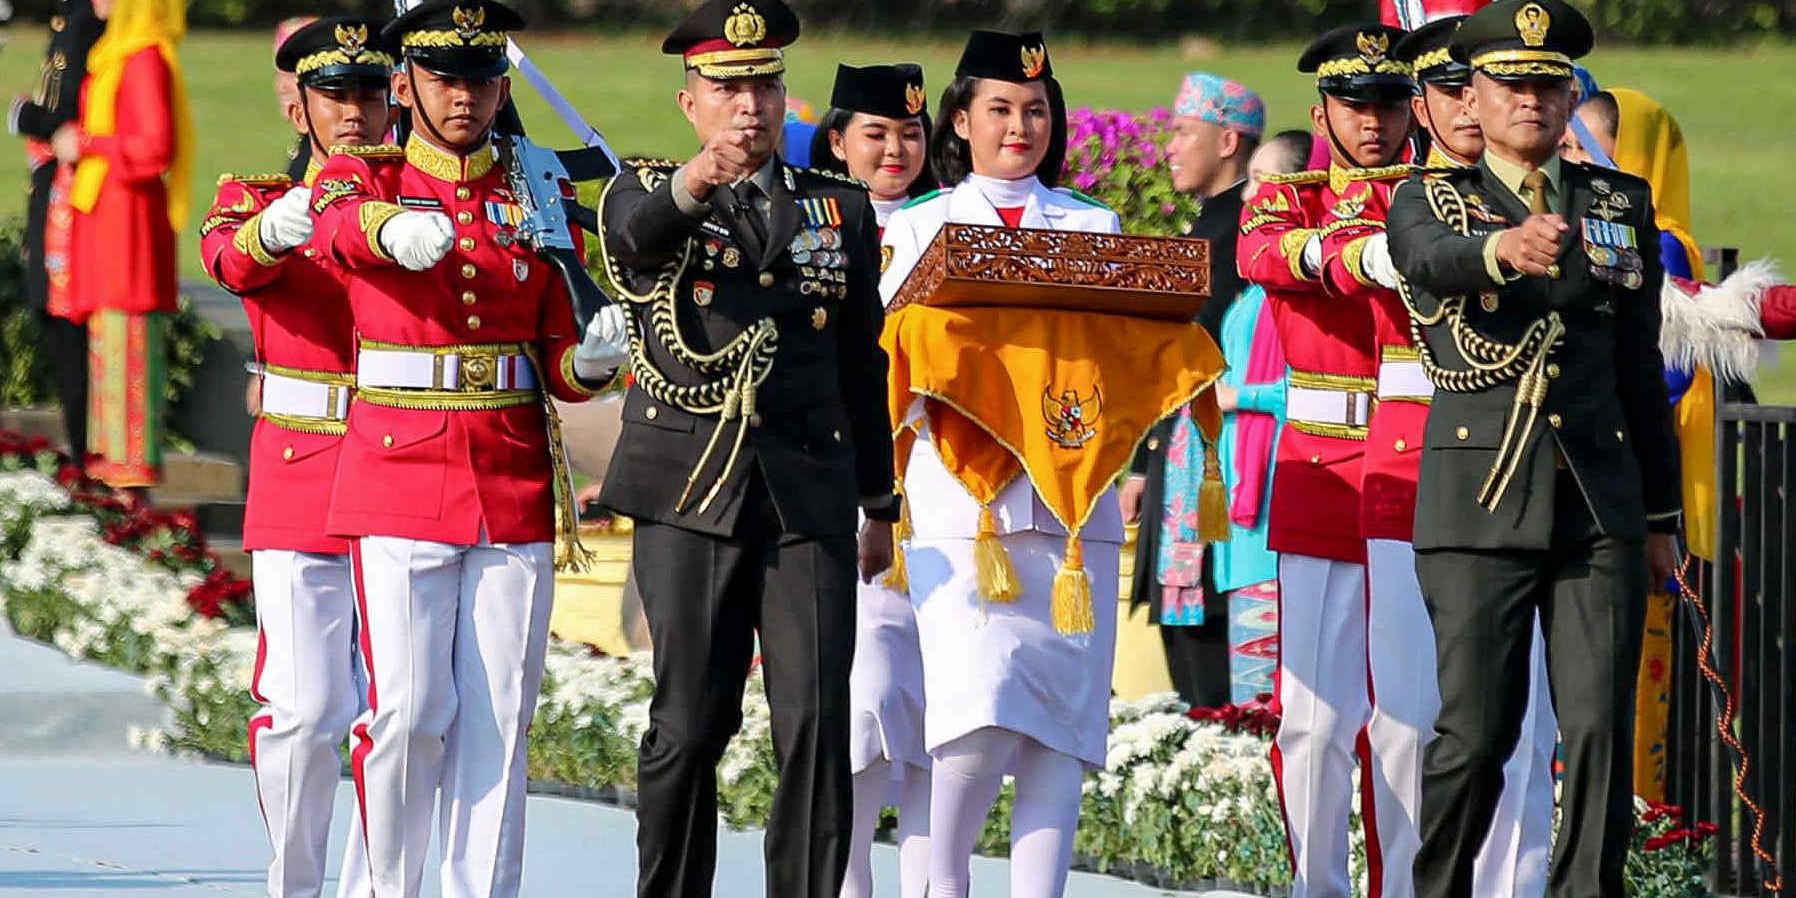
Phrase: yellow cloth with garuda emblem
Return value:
(1061, 397)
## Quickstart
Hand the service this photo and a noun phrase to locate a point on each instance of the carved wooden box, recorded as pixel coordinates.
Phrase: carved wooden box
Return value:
(975, 266)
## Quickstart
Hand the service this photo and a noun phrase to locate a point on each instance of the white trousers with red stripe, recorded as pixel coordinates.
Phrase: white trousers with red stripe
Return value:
(310, 691)
(1405, 701)
(1323, 705)
(454, 638)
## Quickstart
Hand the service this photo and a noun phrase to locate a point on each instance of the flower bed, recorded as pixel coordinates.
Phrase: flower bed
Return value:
(1181, 802)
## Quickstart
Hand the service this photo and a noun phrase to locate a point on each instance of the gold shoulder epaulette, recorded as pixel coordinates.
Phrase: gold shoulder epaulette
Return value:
(1296, 177)
(269, 180)
(375, 152)
(833, 176)
(1382, 173)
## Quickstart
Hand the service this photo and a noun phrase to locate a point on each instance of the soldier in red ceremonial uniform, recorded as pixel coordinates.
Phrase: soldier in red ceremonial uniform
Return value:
(257, 243)
(1321, 688)
(447, 482)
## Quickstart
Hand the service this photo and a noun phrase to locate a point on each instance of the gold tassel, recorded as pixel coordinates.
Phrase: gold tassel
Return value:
(997, 576)
(571, 555)
(897, 577)
(1212, 499)
(1072, 592)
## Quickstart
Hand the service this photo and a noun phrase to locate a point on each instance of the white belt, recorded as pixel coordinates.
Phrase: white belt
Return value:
(1338, 407)
(294, 397)
(424, 369)
(1404, 379)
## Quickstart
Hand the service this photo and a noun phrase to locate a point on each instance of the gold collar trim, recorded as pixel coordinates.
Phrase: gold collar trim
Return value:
(443, 165)
(313, 167)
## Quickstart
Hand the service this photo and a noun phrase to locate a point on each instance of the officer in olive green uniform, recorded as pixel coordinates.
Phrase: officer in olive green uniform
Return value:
(1550, 476)
(756, 426)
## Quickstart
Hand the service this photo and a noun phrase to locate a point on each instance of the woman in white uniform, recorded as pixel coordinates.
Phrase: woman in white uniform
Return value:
(1006, 691)
(877, 131)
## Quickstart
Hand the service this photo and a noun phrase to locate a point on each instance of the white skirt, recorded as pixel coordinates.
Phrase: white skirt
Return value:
(1002, 664)
(885, 689)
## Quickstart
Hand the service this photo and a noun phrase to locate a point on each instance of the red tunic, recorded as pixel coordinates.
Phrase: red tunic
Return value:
(299, 318)
(1394, 437)
(122, 254)
(1327, 342)
(444, 475)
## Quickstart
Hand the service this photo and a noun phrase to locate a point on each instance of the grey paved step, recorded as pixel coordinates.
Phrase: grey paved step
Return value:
(52, 705)
(193, 478)
(35, 422)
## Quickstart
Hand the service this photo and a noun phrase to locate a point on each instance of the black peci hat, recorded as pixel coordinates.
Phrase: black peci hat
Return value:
(893, 91)
(340, 51)
(1524, 40)
(1354, 62)
(730, 39)
(1425, 49)
(458, 38)
(1018, 58)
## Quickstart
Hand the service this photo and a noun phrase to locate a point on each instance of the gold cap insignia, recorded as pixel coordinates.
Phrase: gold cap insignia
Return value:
(468, 22)
(1374, 47)
(352, 39)
(1035, 59)
(745, 27)
(914, 99)
(1532, 22)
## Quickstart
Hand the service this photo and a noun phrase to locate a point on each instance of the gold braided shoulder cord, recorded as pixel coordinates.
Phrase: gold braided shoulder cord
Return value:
(1492, 363)
(734, 373)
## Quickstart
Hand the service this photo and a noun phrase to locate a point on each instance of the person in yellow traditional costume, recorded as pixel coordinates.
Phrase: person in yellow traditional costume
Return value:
(1010, 438)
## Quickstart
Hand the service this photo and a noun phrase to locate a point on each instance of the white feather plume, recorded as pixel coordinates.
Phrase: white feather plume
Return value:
(1719, 327)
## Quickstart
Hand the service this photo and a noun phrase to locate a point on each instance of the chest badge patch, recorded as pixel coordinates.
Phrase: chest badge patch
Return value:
(520, 269)
(885, 258)
(703, 292)
(1072, 421)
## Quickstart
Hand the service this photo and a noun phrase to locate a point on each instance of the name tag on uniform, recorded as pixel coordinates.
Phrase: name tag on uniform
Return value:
(420, 202)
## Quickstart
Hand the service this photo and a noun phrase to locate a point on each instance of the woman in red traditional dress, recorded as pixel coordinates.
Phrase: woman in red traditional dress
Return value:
(132, 153)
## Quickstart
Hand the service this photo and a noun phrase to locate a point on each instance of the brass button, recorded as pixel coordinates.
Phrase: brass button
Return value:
(766, 278)
(651, 413)
(468, 298)
(466, 244)
(387, 441)
(1555, 420)
(473, 322)
(464, 217)
(1402, 445)
(1463, 433)
(287, 453)
(311, 253)
(837, 436)
(1315, 459)
(463, 193)
(468, 271)
(1621, 437)
(754, 420)
(1153, 444)
(1552, 370)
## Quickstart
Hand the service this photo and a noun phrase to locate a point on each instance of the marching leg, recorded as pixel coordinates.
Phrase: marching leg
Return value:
(871, 787)
(502, 634)
(913, 832)
(964, 783)
(1513, 861)
(1049, 786)
(1405, 701)
(407, 591)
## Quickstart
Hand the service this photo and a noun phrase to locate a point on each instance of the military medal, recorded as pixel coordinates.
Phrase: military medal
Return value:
(702, 291)
(732, 257)
(821, 212)
(505, 215)
(504, 238)
(819, 318)
(831, 238)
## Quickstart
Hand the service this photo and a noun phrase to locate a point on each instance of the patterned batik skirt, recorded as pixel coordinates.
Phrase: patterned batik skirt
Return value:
(127, 368)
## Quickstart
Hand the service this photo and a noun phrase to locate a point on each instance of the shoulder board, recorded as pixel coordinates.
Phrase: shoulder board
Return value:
(933, 194)
(642, 162)
(831, 176)
(1615, 177)
(270, 180)
(1382, 173)
(385, 151)
(1445, 171)
(1087, 200)
(1296, 177)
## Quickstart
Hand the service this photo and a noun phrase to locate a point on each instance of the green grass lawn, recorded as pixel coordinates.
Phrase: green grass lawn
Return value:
(1736, 110)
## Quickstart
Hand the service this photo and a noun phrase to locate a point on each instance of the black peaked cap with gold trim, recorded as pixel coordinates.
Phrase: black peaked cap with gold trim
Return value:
(726, 40)
(1426, 51)
(458, 38)
(339, 51)
(1017, 58)
(1356, 62)
(893, 91)
(1524, 40)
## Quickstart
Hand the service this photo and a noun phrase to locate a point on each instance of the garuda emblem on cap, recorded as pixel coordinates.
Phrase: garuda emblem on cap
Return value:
(914, 99)
(1373, 48)
(352, 39)
(1035, 59)
(1532, 22)
(745, 27)
(468, 22)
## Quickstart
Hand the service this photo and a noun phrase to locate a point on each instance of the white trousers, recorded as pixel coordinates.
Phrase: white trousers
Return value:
(454, 638)
(310, 692)
(1323, 705)
(1405, 701)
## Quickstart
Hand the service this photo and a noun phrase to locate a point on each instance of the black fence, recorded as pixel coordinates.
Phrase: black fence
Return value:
(1750, 596)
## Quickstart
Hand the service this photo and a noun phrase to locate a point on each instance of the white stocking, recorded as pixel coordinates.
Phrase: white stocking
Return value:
(968, 772)
(913, 832)
(1044, 820)
(963, 784)
(870, 788)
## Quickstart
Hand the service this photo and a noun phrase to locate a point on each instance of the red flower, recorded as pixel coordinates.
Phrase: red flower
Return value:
(1706, 831)
(1667, 839)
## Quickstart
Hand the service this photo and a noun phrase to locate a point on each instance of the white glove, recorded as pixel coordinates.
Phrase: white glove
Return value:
(287, 222)
(1375, 261)
(606, 347)
(1312, 255)
(417, 240)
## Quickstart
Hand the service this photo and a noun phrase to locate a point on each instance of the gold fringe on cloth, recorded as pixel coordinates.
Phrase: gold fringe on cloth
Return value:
(1071, 608)
(571, 555)
(996, 575)
(1212, 495)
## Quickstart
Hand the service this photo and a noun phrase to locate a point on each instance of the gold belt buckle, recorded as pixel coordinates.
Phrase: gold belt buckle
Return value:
(479, 370)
